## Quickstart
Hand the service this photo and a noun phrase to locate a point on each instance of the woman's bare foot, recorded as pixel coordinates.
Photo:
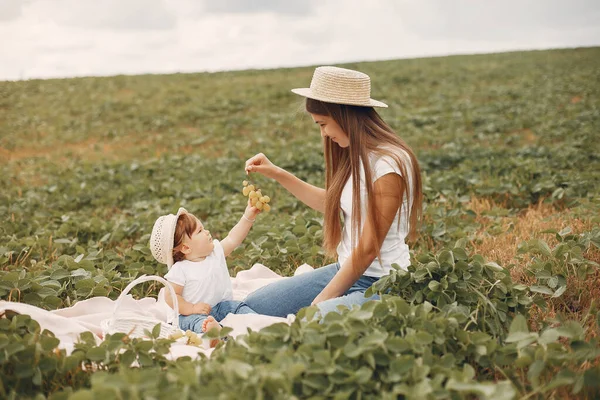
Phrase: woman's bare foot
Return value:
(208, 324)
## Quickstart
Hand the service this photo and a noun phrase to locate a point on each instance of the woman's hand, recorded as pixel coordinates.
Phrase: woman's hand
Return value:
(261, 164)
(201, 308)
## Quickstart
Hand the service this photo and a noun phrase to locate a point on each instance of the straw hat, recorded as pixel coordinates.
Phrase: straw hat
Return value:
(162, 237)
(340, 86)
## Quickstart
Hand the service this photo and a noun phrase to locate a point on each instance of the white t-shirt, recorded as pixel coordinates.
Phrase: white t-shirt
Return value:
(393, 249)
(205, 281)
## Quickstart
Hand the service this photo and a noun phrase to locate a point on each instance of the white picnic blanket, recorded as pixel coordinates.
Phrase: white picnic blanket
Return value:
(86, 315)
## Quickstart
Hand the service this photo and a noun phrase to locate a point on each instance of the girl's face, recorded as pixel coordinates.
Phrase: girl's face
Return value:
(331, 129)
(199, 245)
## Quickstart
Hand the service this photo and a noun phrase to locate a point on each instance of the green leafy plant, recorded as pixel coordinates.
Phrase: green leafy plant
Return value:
(454, 279)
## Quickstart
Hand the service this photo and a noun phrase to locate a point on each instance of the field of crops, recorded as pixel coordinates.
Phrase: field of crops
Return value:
(501, 301)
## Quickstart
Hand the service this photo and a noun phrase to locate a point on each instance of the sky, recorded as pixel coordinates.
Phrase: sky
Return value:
(68, 38)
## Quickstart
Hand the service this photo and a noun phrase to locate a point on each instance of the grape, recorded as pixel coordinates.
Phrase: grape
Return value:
(176, 335)
(259, 205)
(197, 341)
(266, 208)
(266, 199)
(253, 201)
(245, 190)
(252, 194)
(245, 183)
(251, 187)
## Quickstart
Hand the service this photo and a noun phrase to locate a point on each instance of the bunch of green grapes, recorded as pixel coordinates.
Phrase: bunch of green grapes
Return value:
(193, 338)
(256, 197)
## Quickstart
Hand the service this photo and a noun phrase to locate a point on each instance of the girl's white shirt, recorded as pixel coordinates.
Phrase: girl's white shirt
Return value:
(205, 281)
(393, 250)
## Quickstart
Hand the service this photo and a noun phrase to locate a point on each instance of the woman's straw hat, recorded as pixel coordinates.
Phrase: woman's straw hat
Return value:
(340, 86)
(162, 237)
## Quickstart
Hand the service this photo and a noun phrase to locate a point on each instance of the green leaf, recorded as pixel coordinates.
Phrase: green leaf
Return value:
(374, 339)
(460, 253)
(225, 331)
(363, 375)
(96, 353)
(549, 336)
(351, 350)
(535, 371)
(518, 329)
(434, 286)
(423, 338)
(360, 314)
(559, 291)
(541, 289)
(145, 360)
(397, 344)
(318, 382)
(127, 358)
(571, 330)
(493, 266)
(543, 247)
(402, 364)
(49, 343)
(156, 331)
(446, 257)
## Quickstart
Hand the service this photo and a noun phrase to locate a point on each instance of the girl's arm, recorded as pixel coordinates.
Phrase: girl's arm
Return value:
(312, 196)
(185, 307)
(387, 191)
(239, 232)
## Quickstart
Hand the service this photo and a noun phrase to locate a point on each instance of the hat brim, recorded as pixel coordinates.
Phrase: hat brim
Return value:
(307, 92)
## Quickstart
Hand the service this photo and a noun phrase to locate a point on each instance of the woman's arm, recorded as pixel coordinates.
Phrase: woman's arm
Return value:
(312, 196)
(185, 307)
(387, 192)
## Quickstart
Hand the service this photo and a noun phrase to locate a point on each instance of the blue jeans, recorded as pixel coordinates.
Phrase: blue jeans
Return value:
(289, 295)
(194, 322)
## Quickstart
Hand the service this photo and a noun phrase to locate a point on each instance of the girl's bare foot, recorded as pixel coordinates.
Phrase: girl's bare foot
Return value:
(208, 324)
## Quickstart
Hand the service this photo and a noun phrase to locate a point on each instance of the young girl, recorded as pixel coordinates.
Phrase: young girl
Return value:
(372, 179)
(197, 268)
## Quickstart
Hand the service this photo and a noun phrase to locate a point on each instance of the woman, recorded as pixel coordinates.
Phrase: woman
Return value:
(372, 180)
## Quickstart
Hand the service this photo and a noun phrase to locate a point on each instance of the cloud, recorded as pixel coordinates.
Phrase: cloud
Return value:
(499, 20)
(66, 38)
(302, 7)
(132, 15)
(11, 9)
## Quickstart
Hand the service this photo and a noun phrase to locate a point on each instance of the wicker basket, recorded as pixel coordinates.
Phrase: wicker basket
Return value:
(134, 323)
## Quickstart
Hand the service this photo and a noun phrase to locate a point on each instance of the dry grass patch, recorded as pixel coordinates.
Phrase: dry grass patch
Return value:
(117, 149)
(527, 225)
(93, 150)
(578, 300)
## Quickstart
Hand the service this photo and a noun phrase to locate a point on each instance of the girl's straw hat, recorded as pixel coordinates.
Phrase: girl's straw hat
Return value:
(162, 237)
(340, 86)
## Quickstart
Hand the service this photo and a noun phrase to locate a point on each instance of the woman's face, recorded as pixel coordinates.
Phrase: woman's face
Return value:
(331, 129)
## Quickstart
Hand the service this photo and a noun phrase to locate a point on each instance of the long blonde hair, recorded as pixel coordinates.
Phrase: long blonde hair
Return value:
(369, 135)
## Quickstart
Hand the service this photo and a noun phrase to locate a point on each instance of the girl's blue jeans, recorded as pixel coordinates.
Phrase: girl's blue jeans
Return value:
(289, 295)
(194, 322)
